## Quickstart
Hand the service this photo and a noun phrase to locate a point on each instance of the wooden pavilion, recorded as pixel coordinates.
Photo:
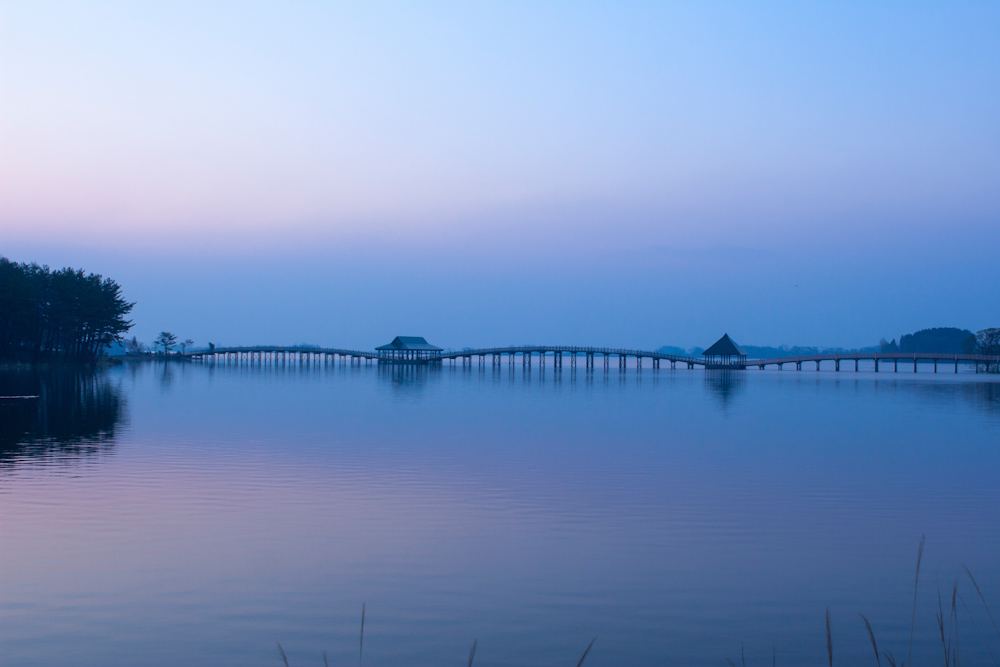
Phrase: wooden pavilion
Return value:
(725, 352)
(407, 350)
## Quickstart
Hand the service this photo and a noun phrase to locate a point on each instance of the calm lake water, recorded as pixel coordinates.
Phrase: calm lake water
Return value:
(196, 515)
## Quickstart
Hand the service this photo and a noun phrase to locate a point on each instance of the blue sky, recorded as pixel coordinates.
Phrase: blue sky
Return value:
(636, 174)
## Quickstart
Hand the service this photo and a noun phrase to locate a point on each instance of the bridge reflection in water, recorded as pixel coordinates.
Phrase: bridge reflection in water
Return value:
(590, 358)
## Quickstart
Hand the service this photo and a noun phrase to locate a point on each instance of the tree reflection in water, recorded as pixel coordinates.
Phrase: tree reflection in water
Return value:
(76, 414)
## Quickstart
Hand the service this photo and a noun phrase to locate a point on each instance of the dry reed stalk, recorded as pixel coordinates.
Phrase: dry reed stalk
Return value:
(282, 652)
(361, 644)
(940, 621)
(871, 635)
(913, 618)
(954, 617)
(472, 653)
(983, 599)
(582, 657)
(325, 663)
(978, 631)
(829, 638)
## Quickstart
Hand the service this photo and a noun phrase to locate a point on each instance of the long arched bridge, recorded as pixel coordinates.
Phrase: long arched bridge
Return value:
(590, 357)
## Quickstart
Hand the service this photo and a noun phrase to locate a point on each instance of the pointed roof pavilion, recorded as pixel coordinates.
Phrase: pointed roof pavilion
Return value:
(725, 347)
(410, 344)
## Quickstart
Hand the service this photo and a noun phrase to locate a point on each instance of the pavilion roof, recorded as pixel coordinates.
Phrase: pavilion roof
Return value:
(409, 343)
(725, 347)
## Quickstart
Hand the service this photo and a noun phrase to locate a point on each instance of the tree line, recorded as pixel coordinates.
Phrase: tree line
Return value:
(946, 340)
(64, 315)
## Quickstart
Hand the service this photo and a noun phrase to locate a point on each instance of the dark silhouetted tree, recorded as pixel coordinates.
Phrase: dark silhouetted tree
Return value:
(58, 315)
(166, 340)
(988, 341)
(884, 346)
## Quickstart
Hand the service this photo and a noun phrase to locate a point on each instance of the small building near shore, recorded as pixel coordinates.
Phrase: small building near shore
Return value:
(407, 350)
(725, 352)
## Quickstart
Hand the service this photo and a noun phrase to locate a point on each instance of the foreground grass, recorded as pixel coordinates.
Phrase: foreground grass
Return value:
(947, 624)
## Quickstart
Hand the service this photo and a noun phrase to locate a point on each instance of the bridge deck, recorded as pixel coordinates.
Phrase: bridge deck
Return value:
(621, 353)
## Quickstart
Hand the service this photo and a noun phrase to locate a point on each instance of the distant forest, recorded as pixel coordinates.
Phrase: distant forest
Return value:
(65, 315)
(946, 340)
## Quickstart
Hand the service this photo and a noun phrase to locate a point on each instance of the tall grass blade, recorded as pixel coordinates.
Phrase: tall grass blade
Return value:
(829, 638)
(582, 657)
(743, 660)
(361, 644)
(284, 657)
(888, 658)
(954, 618)
(730, 662)
(984, 600)
(871, 635)
(913, 618)
(472, 653)
(978, 631)
(940, 622)
(325, 663)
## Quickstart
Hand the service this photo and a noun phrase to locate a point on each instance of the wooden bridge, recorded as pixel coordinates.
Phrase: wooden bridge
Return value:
(881, 358)
(590, 356)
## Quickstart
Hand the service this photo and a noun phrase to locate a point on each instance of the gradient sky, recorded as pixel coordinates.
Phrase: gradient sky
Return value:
(629, 174)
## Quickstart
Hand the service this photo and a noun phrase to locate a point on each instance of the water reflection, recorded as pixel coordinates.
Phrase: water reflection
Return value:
(725, 385)
(76, 413)
(407, 376)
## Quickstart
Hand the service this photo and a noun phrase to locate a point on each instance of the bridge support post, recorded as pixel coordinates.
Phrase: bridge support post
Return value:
(817, 365)
(895, 365)
(798, 365)
(956, 365)
(836, 365)
(876, 364)
(935, 365)
(914, 364)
